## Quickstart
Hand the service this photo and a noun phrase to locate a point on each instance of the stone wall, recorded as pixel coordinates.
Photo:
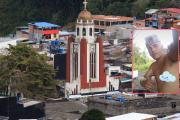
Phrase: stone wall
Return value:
(156, 106)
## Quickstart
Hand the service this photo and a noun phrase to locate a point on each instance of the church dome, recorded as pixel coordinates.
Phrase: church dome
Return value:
(85, 15)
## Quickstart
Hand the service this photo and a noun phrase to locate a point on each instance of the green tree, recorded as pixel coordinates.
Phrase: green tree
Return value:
(118, 8)
(140, 60)
(35, 15)
(93, 114)
(139, 8)
(26, 71)
(95, 6)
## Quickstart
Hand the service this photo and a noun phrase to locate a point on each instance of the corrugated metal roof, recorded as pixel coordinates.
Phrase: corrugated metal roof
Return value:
(26, 30)
(124, 25)
(151, 11)
(23, 27)
(174, 116)
(114, 48)
(132, 116)
(144, 28)
(66, 33)
(44, 24)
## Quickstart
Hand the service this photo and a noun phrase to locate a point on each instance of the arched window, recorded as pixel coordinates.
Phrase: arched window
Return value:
(90, 31)
(77, 31)
(84, 32)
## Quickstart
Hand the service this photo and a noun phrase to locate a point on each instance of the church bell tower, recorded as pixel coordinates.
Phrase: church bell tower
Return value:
(85, 71)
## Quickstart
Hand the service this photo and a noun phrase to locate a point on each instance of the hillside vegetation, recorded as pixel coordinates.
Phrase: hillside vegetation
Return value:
(14, 13)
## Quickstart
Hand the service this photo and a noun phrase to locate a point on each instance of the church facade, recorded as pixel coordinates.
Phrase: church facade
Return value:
(85, 61)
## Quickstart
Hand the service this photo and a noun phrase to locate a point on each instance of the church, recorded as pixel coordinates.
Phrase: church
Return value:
(85, 61)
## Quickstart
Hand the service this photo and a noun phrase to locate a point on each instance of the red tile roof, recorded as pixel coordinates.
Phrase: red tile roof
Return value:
(174, 10)
(147, 19)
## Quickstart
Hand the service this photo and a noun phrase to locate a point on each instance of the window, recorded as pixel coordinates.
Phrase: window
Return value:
(90, 31)
(155, 17)
(48, 36)
(147, 22)
(92, 64)
(154, 23)
(77, 31)
(150, 23)
(84, 32)
(54, 35)
(75, 63)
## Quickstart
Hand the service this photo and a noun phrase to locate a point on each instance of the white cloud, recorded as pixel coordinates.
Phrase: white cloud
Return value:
(166, 76)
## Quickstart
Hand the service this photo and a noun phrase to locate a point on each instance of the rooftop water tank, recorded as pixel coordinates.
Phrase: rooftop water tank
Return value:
(11, 35)
(56, 42)
(61, 50)
(118, 98)
(134, 18)
(52, 42)
(109, 98)
(48, 47)
(122, 99)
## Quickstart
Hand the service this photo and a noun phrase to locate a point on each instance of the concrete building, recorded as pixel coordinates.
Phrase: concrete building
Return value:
(102, 21)
(43, 31)
(159, 106)
(85, 61)
(161, 18)
(5, 41)
(121, 32)
(16, 109)
(139, 23)
(63, 35)
(22, 32)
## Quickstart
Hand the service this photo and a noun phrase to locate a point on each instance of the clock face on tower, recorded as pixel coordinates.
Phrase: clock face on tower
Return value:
(75, 48)
(92, 48)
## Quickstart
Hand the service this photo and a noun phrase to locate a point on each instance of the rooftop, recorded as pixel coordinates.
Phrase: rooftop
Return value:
(23, 27)
(124, 26)
(44, 24)
(114, 48)
(151, 11)
(173, 117)
(132, 116)
(174, 10)
(66, 33)
(111, 18)
(28, 102)
(5, 39)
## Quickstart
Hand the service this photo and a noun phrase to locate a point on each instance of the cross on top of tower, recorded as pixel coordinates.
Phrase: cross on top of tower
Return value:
(84, 4)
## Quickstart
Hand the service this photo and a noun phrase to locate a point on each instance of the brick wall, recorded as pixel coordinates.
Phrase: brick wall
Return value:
(25, 35)
(139, 23)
